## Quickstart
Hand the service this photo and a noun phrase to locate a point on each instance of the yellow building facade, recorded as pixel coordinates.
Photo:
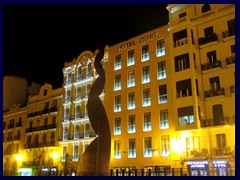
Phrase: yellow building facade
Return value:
(76, 132)
(170, 95)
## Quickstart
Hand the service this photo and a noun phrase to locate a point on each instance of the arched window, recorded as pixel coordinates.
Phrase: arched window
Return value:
(89, 69)
(206, 8)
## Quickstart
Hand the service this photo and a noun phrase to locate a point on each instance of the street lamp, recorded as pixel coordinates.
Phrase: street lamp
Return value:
(54, 156)
(66, 164)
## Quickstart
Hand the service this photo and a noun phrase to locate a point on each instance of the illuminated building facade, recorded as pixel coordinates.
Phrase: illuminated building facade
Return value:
(30, 144)
(170, 95)
(13, 136)
(76, 132)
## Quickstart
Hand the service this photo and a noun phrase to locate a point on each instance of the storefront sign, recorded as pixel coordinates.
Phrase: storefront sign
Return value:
(220, 163)
(197, 164)
(25, 170)
(141, 39)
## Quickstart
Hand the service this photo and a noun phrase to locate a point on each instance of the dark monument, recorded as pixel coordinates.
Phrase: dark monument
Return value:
(95, 159)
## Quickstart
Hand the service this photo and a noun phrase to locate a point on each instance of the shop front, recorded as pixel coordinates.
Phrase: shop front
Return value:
(198, 168)
(221, 168)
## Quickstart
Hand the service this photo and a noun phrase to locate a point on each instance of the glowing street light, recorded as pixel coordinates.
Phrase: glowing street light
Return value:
(19, 157)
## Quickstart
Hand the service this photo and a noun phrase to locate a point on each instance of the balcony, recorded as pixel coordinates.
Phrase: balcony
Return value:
(213, 93)
(230, 60)
(84, 78)
(196, 154)
(221, 152)
(224, 121)
(208, 66)
(205, 40)
(205, 16)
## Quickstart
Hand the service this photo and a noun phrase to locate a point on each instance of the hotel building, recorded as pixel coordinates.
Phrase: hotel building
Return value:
(170, 95)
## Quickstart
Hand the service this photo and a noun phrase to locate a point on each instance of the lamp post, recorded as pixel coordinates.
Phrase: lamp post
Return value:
(19, 159)
(66, 164)
(54, 156)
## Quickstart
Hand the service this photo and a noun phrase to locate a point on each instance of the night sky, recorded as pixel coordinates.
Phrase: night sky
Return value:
(38, 39)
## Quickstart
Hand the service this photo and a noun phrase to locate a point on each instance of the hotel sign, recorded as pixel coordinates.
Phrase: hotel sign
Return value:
(141, 40)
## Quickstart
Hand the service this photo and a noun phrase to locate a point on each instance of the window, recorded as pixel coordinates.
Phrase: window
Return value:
(89, 70)
(117, 62)
(75, 153)
(87, 130)
(165, 146)
(117, 107)
(162, 94)
(132, 148)
(182, 62)
(185, 116)
(206, 8)
(181, 15)
(161, 70)
(117, 126)
(44, 139)
(212, 57)
(218, 117)
(45, 92)
(145, 52)
(148, 147)
(145, 74)
(54, 120)
(164, 124)
(117, 149)
(117, 84)
(184, 88)
(131, 78)
(77, 131)
(79, 72)
(231, 27)
(131, 59)
(160, 48)
(192, 143)
(45, 121)
(221, 140)
(131, 100)
(208, 32)
(131, 124)
(180, 38)
(65, 133)
(35, 142)
(214, 83)
(147, 124)
(146, 97)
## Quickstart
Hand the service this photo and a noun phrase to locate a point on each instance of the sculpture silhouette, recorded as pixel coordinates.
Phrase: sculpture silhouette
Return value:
(95, 159)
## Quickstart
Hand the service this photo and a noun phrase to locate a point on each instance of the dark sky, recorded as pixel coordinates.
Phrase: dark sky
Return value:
(38, 39)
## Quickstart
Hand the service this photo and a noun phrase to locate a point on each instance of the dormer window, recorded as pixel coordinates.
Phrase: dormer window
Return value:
(206, 8)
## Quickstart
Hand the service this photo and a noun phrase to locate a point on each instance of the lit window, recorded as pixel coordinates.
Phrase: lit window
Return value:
(147, 147)
(145, 74)
(131, 59)
(117, 149)
(117, 107)
(117, 85)
(147, 125)
(132, 148)
(131, 124)
(117, 127)
(131, 100)
(185, 116)
(164, 119)
(162, 70)
(146, 97)
(160, 48)
(165, 146)
(145, 53)
(117, 62)
(163, 94)
(131, 78)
